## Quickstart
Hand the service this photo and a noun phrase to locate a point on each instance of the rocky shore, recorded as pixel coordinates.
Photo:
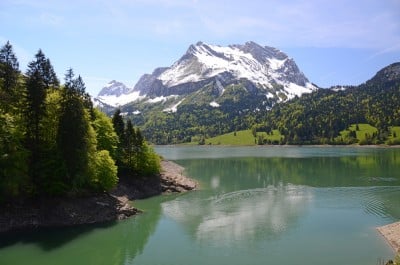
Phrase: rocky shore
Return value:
(391, 233)
(97, 208)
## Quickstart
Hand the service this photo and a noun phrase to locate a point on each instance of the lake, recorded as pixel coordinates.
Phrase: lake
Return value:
(255, 205)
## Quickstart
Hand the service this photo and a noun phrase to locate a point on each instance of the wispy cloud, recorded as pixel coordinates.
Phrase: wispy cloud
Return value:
(394, 48)
(319, 23)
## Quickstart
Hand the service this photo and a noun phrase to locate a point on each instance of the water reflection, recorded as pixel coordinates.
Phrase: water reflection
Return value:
(240, 216)
(254, 172)
(115, 243)
(247, 199)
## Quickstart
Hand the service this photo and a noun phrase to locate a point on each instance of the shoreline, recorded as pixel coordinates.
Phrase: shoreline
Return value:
(96, 208)
(284, 145)
(391, 233)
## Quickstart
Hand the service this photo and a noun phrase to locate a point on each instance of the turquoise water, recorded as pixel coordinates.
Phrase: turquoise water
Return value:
(256, 205)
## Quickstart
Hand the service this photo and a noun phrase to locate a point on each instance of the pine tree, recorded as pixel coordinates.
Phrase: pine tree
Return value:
(73, 134)
(129, 146)
(43, 65)
(40, 77)
(118, 123)
(119, 128)
(35, 110)
(9, 72)
(139, 140)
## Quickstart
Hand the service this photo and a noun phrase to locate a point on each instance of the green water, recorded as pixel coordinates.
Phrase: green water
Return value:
(269, 205)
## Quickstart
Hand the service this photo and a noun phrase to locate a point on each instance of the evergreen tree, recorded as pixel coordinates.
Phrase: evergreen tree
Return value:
(119, 128)
(138, 139)
(129, 146)
(43, 66)
(80, 86)
(118, 123)
(35, 110)
(73, 134)
(9, 72)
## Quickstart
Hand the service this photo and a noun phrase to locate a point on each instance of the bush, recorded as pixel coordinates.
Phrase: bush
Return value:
(148, 162)
(105, 171)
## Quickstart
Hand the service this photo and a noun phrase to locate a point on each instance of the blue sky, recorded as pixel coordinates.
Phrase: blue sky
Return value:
(333, 42)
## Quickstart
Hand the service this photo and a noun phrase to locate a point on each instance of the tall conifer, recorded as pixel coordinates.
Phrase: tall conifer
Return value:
(40, 76)
(9, 72)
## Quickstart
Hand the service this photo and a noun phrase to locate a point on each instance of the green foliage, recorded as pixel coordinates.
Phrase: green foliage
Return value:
(119, 127)
(105, 171)
(148, 162)
(9, 73)
(321, 117)
(40, 77)
(107, 138)
(52, 141)
(240, 106)
(134, 156)
(246, 137)
(73, 142)
(13, 157)
(394, 137)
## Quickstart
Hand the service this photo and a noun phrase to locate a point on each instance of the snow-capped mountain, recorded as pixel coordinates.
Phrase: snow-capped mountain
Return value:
(115, 94)
(263, 68)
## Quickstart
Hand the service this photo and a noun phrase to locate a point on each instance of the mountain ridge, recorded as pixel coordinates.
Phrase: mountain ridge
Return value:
(266, 67)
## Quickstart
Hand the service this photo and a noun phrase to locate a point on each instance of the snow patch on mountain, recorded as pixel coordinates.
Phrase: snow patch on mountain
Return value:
(174, 108)
(214, 104)
(122, 99)
(161, 99)
(116, 94)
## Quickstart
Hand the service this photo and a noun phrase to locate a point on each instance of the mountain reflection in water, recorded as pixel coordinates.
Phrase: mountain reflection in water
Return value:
(243, 215)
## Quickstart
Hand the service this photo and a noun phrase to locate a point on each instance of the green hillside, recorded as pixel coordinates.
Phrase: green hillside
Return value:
(364, 135)
(324, 116)
(245, 137)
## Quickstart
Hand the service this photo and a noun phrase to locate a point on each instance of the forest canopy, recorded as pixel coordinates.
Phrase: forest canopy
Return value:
(54, 142)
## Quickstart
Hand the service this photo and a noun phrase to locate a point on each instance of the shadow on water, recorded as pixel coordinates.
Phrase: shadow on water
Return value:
(49, 239)
(108, 243)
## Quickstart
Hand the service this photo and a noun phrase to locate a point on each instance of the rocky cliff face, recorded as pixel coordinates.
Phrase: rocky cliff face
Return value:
(390, 73)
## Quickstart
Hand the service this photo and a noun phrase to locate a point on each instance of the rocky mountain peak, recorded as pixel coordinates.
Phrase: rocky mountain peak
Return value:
(388, 74)
(114, 88)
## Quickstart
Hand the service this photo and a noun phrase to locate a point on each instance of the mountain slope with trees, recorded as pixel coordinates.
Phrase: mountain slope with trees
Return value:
(319, 117)
(324, 116)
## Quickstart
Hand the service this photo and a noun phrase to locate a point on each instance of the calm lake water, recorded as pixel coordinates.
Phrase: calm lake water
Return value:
(256, 205)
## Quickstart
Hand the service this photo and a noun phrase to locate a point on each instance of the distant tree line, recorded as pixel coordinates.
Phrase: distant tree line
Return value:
(52, 140)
